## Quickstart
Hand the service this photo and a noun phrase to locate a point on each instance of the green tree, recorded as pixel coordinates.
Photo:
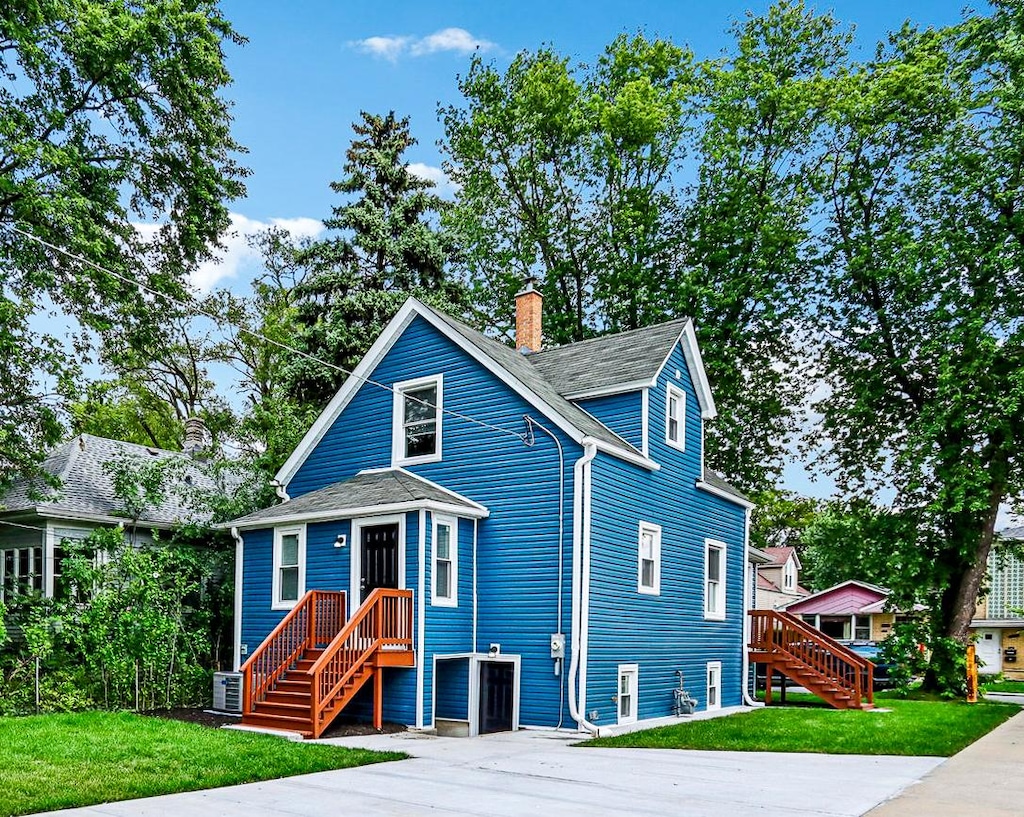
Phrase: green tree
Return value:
(650, 187)
(111, 113)
(121, 410)
(918, 306)
(387, 245)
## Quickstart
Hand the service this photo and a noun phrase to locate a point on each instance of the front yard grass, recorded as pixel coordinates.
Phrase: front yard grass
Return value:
(1003, 686)
(913, 727)
(58, 761)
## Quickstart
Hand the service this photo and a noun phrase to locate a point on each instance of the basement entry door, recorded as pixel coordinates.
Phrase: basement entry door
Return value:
(497, 690)
(378, 558)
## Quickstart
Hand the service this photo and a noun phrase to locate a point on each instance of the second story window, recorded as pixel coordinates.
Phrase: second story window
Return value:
(648, 579)
(417, 421)
(675, 417)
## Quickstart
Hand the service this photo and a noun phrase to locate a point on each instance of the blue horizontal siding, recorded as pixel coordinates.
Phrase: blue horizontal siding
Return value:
(452, 700)
(622, 413)
(667, 632)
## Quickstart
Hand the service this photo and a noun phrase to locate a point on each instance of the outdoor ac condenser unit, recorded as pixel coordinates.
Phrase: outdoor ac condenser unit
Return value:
(227, 691)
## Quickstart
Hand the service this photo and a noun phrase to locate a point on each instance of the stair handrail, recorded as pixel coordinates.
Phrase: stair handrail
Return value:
(857, 676)
(314, 617)
(388, 615)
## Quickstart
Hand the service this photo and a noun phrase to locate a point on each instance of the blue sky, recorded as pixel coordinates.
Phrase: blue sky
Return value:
(310, 68)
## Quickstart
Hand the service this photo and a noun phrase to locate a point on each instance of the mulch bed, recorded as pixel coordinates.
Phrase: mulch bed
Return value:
(341, 728)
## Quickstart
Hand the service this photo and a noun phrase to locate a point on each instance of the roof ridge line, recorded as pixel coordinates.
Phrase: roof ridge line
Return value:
(607, 336)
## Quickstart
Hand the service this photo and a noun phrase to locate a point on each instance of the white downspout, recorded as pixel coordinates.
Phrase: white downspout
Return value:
(580, 559)
(747, 588)
(237, 662)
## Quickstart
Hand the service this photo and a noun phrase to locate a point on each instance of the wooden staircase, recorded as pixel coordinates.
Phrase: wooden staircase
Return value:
(823, 666)
(314, 662)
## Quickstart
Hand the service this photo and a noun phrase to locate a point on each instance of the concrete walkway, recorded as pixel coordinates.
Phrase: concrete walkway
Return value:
(984, 780)
(538, 772)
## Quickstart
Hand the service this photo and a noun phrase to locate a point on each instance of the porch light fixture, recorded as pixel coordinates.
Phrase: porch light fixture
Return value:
(341, 541)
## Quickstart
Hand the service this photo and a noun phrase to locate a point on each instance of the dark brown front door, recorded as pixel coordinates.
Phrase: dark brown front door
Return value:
(497, 688)
(378, 558)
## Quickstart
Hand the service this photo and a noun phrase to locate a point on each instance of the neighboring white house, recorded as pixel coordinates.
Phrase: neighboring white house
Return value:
(998, 622)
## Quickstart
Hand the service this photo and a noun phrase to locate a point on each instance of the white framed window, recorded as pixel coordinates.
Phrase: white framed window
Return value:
(675, 417)
(714, 579)
(648, 564)
(714, 685)
(789, 575)
(289, 583)
(628, 692)
(21, 572)
(418, 406)
(445, 572)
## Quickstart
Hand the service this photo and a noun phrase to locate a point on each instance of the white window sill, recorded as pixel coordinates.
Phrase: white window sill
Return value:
(648, 591)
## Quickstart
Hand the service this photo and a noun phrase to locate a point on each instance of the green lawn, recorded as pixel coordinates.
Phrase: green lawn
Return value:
(58, 761)
(1003, 686)
(939, 728)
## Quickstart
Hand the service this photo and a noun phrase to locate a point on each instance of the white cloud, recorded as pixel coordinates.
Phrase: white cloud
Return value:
(456, 40)
(236, 253)
(390, 48)
(443, 185)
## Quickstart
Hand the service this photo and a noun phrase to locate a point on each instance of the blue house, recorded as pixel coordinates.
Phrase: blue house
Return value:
(474, 539)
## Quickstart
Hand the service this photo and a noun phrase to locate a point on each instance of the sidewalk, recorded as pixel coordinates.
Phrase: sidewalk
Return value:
(984, 780)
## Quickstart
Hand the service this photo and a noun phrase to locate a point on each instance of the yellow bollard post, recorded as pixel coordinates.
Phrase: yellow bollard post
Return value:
(972, 675)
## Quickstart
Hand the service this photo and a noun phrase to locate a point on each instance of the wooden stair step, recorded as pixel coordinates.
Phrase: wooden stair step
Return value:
(280, 696)
(287, 724)
(285, 710)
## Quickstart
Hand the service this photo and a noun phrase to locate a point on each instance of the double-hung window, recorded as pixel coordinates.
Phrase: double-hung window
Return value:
(446, 563)
(648, 574)
(289, 567)
(714, 579)
(675, 417)
(714, 685)
(627, 697)
(417, 421)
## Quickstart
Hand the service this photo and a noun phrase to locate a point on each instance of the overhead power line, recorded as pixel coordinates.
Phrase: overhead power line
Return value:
(195, 307)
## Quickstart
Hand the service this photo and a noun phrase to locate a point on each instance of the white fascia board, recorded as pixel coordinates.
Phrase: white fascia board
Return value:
(103, 519)
(368, 510)
(622, 454)
(713, 489)
(608, 391)
(454, 494)
(502, 374)
(410, 309)
(695, 364)
(348, 390)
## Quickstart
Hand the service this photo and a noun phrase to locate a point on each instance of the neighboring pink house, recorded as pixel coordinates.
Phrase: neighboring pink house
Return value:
(849, 611)
(778, 581)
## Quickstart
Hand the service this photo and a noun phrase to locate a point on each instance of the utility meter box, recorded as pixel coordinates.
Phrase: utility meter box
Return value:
(558, 645)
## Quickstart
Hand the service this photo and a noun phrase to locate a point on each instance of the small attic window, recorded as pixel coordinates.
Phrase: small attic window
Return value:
(675, 417)
(417, 421)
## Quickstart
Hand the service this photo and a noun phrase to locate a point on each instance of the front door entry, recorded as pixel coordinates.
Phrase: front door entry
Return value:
(378, 558)
(497, 689)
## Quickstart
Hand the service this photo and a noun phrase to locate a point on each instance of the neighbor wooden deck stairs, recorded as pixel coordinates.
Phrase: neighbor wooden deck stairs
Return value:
(315, 661)
(820, 664)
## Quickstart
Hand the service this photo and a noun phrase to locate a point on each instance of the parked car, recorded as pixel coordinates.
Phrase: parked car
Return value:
(871, 651)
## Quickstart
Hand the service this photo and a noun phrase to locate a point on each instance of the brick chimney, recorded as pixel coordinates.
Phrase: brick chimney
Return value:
(195, 436)
(529, 309)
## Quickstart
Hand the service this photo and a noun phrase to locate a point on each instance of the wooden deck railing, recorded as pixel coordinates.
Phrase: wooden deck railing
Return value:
(778, 633)
(313, 622)
(383, 621)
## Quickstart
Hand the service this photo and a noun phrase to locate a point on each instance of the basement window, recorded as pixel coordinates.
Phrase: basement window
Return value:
(417, 421)
(714, 685)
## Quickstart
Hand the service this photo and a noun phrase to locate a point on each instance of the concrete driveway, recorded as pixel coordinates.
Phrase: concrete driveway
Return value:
(537, 772)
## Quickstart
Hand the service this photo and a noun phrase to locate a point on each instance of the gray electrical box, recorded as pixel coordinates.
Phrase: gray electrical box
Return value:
(227, 691)
(558, 645)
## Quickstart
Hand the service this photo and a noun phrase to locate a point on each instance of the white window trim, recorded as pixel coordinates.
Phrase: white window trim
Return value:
(453, 525)
(670, 391)
(716, 668)
(634, 671)
(648, 527)
(398, 420)
(719, 614)
(789, 575)
(276, 603)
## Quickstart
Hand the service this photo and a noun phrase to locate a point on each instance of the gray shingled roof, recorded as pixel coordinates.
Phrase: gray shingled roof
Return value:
(366, 489)
(609, 360)
(519, 367)
(87, 489)
(717, 480)
(1012, 533)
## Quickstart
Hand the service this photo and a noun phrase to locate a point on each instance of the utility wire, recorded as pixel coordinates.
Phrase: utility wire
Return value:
(198, 309)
